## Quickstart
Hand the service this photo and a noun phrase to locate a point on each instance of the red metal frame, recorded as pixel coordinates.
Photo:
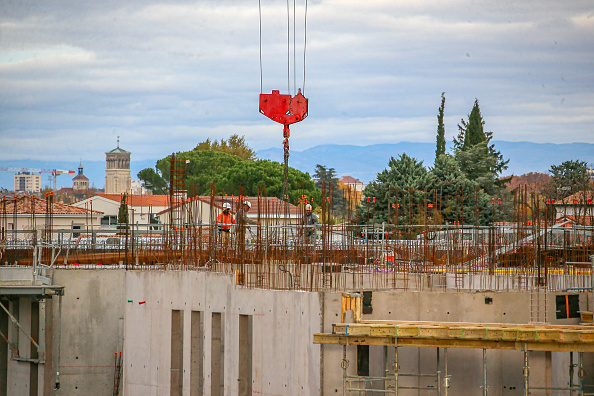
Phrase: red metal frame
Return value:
(284, 109)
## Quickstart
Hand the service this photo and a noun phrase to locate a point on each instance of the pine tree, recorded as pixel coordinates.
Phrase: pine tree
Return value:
(477, 158)
(475, 132)
(441, 143)
(402, 183)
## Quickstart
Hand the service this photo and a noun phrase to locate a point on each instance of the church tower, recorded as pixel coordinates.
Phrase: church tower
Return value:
(80, 181)
(117, 171)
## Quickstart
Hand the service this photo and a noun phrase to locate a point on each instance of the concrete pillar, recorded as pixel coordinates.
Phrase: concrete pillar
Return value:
(4, 351)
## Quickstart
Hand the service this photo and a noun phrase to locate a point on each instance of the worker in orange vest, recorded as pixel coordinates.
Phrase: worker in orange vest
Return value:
(224, 222)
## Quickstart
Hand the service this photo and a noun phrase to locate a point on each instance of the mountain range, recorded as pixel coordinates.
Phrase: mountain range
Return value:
(361, 162)
(364, 162)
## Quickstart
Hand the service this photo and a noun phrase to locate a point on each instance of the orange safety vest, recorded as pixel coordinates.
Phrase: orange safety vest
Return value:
(222, 218)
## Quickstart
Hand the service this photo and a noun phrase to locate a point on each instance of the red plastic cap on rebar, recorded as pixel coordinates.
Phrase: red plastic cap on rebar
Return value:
(284, 109)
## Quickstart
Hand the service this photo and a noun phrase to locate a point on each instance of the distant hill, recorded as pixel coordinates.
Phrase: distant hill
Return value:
(362, 162)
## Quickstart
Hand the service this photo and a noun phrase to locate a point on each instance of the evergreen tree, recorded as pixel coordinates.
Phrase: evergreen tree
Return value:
(568, 178)
(455, 197)
(441, 143)
(475, 132)
(232, 175)
(400, 185)
(123, 215)
(476, 156)
(327, 176)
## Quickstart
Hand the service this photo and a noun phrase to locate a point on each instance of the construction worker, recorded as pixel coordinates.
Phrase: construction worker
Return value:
(242, 220)
(224, 221)
(309, 222)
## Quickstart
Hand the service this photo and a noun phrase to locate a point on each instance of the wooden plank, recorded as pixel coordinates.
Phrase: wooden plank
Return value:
(334, 339)
(472, 324)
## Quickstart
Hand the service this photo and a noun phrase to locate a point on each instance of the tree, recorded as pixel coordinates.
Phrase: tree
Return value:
(250, 177)
(400, 185)
(455, 196)
(231, 175)
(123, 213)
(153, 181)
(441, 143)
(324, 176)
(235, 146)
(534, 181)
(476, 157)
(568, 178)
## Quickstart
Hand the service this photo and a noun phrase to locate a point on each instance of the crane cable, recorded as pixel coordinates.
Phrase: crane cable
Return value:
(286, 148)
(288, 47)
(260, 20)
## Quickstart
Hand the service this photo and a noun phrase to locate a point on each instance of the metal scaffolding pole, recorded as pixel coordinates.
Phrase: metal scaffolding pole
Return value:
(396, 366)
(485, 391)
(526, 371)
(446, 377)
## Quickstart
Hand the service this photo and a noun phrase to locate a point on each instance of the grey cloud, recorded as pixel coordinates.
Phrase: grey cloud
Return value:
(168, 75)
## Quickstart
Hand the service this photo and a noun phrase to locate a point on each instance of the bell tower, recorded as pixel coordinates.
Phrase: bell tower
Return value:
(117, 171)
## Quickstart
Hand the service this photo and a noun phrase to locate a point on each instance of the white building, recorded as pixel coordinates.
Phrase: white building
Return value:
(27, 182)
(31, 213)
(142, 209)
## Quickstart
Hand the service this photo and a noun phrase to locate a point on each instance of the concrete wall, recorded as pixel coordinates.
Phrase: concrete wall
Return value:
(504, 368)
(98, 321)
(110, 310)
(284, 359)
(92, 329)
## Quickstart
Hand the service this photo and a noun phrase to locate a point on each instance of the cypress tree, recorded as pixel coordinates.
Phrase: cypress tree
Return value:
(440, 144)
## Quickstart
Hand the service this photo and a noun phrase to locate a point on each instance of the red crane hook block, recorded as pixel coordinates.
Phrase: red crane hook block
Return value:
(284, 109)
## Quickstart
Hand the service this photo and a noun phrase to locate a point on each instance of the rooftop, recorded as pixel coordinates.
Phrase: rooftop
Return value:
(117, 150)
(140, 199)
(31, 205)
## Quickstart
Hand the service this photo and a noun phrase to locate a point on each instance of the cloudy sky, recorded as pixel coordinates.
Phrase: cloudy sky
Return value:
(166, 75)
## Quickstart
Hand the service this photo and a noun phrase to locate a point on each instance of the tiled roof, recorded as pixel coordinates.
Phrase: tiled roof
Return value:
(580, 197)
(80, 177)
(31, 204)
(267, 205)
(350, 180)
(140, 200)
(579, 220)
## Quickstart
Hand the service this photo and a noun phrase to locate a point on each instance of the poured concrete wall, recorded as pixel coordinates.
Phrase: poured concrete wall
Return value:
(284, 359)
(92, 329)
(504, 368)
(110, 310)
(106, 311)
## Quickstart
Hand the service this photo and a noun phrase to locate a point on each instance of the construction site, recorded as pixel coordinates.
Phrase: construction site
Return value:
(408, 303)
(407, 309)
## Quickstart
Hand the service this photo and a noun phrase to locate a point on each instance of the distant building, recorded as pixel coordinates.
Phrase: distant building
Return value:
(142, 209)
(591, 173)
(27, 182)
(577, 206)
(117, 171)
(138, 189)
(30, 213)
(352, 183)
(80, 181)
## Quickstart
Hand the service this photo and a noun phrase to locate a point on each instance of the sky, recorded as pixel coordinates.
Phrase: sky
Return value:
(164, 76)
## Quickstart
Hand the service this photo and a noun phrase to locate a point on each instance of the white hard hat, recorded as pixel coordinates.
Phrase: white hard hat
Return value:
(308, 207)
(247, 203)
(226, 205)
